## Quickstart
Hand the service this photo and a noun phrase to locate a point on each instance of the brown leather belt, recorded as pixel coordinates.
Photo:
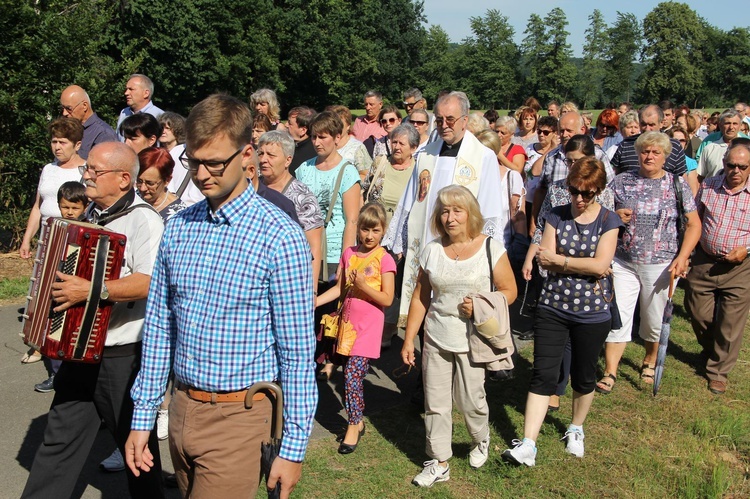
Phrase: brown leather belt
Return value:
(216, 397)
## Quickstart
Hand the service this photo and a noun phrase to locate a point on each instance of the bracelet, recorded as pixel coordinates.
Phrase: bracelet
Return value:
(565, 265)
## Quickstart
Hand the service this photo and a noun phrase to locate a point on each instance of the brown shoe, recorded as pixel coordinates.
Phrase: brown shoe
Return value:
(717, 387)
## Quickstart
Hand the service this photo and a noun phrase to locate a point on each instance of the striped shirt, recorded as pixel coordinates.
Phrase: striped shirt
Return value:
(724, 216)
(231, 302)
(626, 159)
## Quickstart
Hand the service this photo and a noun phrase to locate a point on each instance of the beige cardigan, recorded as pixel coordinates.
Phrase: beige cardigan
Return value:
(490, 341)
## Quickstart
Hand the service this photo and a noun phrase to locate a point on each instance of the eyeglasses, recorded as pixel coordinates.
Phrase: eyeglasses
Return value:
(215, 168)
(149, 183)
(417, 123)
(389, 120)
(585, 195)
(544, 132)
(68, 108)
(569, 162)
(449, 121)
(732, 166)
(93, 173)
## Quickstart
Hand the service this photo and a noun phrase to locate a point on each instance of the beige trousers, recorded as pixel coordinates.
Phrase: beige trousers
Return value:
(215, 448)
(444, 373)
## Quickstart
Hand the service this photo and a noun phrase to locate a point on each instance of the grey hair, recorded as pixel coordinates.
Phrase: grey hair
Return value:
(463, 101)
(266, 96)
(145, 81)
(412, 135)
(729, 113)
(654, 138)
(374, 93)
(508, 122)
(278, 137)
(651, 108)
(627, 118)
(413, 92)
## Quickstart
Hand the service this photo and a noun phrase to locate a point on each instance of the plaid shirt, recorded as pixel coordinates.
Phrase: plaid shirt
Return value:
(724, 216)
(554, 168)
(231, 303)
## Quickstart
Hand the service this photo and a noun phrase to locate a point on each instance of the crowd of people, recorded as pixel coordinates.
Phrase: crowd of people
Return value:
(253, 231)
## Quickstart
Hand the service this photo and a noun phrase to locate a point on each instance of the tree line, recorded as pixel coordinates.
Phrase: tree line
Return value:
(318, 52)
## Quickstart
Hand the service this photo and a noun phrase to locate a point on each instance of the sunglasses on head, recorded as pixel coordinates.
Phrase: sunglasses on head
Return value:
(586, 195)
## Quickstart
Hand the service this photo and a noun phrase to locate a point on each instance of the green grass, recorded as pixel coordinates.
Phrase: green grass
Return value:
(683, 443)
(14, 289)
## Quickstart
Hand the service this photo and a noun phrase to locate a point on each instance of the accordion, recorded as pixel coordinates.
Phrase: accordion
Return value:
(84, 250)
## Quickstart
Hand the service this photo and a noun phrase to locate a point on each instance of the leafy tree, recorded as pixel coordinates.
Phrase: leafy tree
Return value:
(593, 71)
(491, 74)
(727, 66)
(673, 51)
(623, 45)
(437, 70)
(547, 53)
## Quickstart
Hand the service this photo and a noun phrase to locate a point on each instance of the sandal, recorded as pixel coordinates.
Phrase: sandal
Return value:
(31, 356)
(648, 377)
(606, 384)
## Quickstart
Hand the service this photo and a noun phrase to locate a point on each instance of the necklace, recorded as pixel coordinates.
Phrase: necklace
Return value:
(459, 253)
(160, 206)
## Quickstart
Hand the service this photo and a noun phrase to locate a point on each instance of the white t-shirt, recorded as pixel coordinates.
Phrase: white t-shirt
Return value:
(516, 189)
(451, 281)
(50, 180)
(191, 194)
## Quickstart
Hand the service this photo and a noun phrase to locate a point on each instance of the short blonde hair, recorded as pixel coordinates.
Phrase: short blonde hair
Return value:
(461, 197)
(654, 138)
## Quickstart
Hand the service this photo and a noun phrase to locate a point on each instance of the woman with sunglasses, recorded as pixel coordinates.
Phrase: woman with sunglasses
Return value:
(576, 250)
(390, 118)
(606, 134)
(421, 121)
(577, 147)
(649, 250)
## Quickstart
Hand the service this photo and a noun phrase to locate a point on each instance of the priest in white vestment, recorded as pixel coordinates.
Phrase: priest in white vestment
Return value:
(457, 157)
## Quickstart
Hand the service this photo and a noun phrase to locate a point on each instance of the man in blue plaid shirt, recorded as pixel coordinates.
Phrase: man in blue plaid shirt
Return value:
(230, 304)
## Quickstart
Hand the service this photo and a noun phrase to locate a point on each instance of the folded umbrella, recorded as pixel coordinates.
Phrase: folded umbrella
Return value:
(666, 320)
(269, 450)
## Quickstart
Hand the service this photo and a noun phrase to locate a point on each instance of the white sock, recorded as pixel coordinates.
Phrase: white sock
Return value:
(577, 428)
(529, 441)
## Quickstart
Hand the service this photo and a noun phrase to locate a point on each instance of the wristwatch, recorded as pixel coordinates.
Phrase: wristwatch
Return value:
(105, 292)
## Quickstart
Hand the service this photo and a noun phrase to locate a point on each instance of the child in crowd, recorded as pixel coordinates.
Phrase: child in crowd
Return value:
(366, 288)
(72, 200)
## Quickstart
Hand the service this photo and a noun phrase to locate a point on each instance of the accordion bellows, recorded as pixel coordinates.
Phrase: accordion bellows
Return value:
(87, 251)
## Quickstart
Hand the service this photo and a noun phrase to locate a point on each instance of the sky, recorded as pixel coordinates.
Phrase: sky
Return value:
(454, 15)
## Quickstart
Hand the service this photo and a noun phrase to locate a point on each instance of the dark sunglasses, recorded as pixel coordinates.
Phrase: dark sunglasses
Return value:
(732, 166)
(389, 120)
(544, 132)
(417, 123)
(586, 195)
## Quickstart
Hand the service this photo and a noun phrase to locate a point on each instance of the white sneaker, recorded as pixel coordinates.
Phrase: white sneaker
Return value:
(432, 474)
(575, 442)
(479, 454)
(523, 452)
(162, 424)
(114, 462)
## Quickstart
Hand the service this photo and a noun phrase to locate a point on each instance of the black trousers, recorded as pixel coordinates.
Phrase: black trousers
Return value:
(551, 333)
(85, 394)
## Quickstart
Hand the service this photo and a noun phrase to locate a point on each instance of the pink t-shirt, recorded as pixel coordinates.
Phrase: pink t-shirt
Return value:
(366, 317)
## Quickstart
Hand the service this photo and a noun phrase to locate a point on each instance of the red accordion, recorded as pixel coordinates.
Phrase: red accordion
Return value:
(87, 251)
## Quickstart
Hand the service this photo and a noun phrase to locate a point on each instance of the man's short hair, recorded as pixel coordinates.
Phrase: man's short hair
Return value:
(66, 128)
(738, 142)
(666, 104)
(553, 102)
(219, 114)
(728, 114)
(463, 101)
(73, 192)
(374, 93)
(140, 123)
(648, 109)
(415, 93)
(491, 116)
(304, 115)
(283, 139)
(146, 82)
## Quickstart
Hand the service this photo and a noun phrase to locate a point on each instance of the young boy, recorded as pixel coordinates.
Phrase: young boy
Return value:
(72, 200)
